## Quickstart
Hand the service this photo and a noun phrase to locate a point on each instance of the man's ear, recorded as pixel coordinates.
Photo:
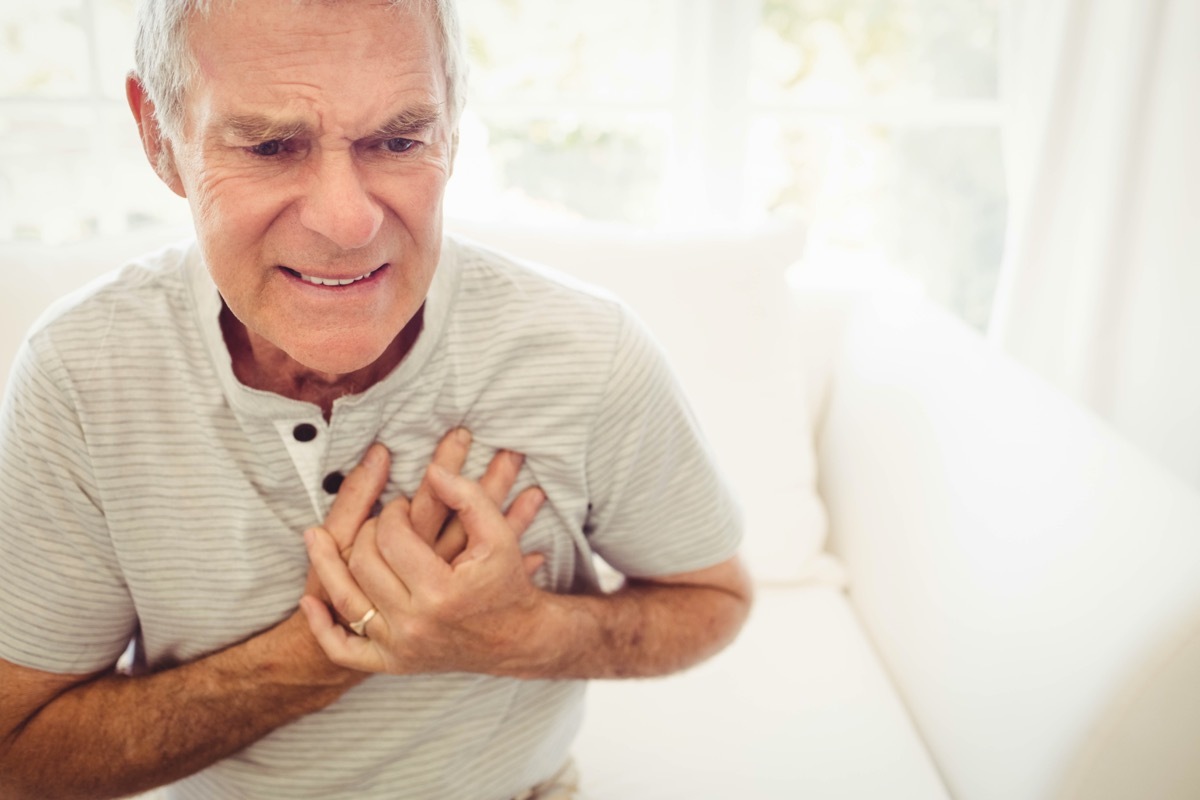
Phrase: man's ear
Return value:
(156, 146)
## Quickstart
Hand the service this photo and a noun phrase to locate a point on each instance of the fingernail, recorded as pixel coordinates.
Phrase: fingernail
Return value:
(462, 436)
(374, 455)
(310, 536)
(517, 459)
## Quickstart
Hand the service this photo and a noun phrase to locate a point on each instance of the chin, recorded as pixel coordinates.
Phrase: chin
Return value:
(337, 361)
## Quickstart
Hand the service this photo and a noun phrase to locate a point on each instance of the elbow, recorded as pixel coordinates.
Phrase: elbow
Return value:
(741, 591)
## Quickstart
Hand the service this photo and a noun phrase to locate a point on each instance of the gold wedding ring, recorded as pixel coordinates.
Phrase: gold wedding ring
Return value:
(359, 628)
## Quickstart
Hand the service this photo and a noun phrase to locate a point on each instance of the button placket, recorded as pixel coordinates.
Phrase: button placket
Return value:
(306, 442)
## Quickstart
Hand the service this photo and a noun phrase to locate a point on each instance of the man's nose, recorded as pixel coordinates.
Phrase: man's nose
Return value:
(338, 205)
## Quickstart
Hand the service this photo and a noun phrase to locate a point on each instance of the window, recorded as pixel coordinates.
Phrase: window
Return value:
(874, 122)
(885, 120)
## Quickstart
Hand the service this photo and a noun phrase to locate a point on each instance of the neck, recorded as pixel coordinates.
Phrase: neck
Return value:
(261, 365)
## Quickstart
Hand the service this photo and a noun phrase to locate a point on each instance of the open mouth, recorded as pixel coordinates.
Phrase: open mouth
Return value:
(315, 281)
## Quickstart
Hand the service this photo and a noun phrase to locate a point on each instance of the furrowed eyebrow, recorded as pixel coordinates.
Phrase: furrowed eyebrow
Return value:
(258, 128)
(255, 128)
(410, 121)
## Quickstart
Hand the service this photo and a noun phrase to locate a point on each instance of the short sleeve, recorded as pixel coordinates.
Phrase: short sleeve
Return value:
(66, 607)
(659, 505)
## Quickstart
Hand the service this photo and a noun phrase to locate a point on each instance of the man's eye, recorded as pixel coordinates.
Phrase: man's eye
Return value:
(271, 148)
(399, 145)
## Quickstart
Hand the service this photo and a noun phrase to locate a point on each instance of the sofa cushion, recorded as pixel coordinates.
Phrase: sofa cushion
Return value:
(1032, 580)
(799, 706)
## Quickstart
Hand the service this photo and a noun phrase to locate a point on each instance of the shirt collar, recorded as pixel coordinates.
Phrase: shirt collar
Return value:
(207, 305)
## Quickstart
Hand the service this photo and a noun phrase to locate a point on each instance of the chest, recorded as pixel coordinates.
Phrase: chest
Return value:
(207, 523)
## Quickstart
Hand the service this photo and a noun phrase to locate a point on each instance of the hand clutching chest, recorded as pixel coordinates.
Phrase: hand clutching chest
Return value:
(437, 583)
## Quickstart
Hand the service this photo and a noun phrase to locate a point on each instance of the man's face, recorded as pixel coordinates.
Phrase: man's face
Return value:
(315, 151)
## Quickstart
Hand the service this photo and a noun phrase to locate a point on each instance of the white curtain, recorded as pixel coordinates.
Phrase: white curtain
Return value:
(1101, 288)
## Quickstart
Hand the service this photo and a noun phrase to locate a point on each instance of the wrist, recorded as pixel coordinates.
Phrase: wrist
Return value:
(555, 634)
(293, 657)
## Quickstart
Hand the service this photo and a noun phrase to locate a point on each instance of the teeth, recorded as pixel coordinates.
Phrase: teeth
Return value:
(332, 281)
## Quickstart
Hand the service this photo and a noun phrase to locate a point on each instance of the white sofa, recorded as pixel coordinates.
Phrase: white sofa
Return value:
(968, 587)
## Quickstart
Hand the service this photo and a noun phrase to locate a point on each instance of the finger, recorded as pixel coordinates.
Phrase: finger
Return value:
(523, 509)
(369, 568)
(428, 512)
(405, 554)
(347, 599)
(485, 526)
(519, 517)
(340, 646)
(452, 541)
(357, 495)
(501, 474)
(400, 502)
(497, 482)
(532, 563)
(313, 587)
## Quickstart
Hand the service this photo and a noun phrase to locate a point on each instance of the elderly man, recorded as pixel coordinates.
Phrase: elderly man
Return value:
(174, 441)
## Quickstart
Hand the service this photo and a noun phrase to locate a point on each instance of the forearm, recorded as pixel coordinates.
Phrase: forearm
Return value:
(482, 613)
(117, 735)
(643, 630)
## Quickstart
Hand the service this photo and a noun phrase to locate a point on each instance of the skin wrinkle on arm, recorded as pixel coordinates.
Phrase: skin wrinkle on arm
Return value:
(646, 628)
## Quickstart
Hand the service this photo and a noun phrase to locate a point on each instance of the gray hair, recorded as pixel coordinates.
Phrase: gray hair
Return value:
(166, 66)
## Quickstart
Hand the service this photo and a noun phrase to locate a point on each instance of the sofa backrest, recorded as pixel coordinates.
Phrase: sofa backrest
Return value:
(1031, 581)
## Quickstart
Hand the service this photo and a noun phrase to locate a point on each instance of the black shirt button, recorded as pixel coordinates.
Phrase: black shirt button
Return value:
(304, 432)
(333, 482)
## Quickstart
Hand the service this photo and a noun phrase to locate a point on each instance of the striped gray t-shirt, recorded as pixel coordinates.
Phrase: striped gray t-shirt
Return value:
(142, 485)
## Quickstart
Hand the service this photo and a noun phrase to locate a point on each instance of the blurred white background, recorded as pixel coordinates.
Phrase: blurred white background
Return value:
(1029, 164)
(874, 123)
